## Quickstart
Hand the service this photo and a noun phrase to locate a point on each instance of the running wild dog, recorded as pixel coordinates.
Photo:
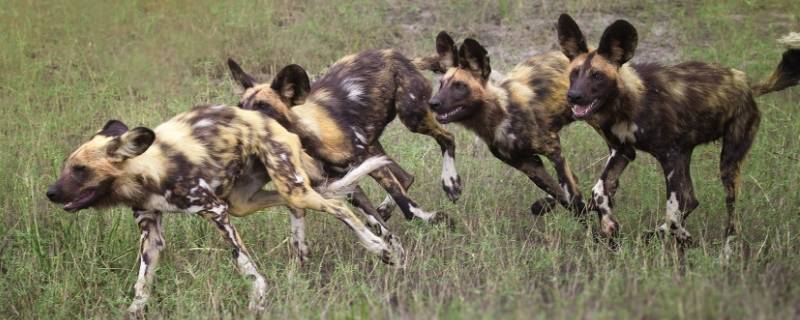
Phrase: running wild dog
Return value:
(341, 116)
(666, 111)
(211, 161)
(519, 118)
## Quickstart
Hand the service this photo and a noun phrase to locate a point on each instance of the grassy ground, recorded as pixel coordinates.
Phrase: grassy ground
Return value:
(67, 67)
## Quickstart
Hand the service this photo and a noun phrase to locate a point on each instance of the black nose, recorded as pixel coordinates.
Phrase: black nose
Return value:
(574, 97)
(51, 194)
(435, 104)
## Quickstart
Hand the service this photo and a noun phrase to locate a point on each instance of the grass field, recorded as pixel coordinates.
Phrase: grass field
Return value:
(68, 66)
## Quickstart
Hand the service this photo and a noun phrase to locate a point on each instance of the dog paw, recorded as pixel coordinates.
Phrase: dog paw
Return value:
(386, 207)
(443, 218)
(452, 187)
(543, 206)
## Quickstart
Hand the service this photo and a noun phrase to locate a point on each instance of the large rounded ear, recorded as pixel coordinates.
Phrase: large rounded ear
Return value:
(113, 128)
(131, 144)
(292, 84)
(446, 48)
(618, 43)
(570, 37)
(244, 79)
(474, 57)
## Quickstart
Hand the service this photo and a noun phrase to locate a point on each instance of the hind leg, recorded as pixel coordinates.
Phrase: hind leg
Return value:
(411, 103)
(680, 195)
(735, 144)
(283, 165)
(406, 180)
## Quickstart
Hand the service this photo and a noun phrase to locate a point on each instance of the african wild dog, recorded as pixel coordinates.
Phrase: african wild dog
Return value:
(211, 161)
(665, 111)
(341, 116)
(519, 118)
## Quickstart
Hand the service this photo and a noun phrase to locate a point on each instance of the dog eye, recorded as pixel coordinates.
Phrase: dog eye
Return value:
(573, 74)
(459, 85)
(78, 168)
(596, 75)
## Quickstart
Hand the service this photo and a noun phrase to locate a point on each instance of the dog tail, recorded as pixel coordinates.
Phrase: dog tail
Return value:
(788, 72)
(346, 185)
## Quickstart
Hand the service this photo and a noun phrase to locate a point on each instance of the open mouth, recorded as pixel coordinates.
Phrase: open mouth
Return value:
(84, 200)
(582, 111)
(451, 115)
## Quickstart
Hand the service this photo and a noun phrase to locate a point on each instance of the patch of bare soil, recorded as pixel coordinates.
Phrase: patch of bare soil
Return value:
(510, 41)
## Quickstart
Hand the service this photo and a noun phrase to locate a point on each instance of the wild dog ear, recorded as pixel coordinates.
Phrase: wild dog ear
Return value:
(244, 79)
(446, 48)
(618, 43)
(113, 128)
(131, 144)
(474, 57)
(570, 37)
(292, 84)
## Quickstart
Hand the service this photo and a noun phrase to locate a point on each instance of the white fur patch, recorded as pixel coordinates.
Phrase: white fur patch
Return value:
(625, 131)
(359, 136)
(600, 199)
(673, 209)
(449, 173)
(419, 213)
(565, 187)
(203, 123)
(353, 88)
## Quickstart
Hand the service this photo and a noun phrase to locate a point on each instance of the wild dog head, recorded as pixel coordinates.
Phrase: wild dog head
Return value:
(594, 74)
(88, 174)
(462, 89)
(289, 88)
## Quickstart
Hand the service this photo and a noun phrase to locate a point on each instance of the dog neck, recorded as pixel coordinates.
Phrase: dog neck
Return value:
(140, 176)
(628, 100)
(491, 113)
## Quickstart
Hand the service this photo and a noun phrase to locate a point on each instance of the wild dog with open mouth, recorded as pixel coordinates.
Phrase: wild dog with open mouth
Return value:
(665, 111)
(341, 116)
(518, 119)
(211, 161)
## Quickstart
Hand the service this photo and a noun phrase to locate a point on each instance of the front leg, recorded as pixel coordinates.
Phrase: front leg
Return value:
(568, 184)
(217, 212)
(534, 168)
(605, 188)
(151, 242)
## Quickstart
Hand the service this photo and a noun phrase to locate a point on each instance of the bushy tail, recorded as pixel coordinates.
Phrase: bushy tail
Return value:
(788, 72)
(346, 185)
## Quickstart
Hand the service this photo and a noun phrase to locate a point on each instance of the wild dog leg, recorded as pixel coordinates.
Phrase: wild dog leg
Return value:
(736, 143)
(247, 196)
(534, 168)
(410, 209)
(603, 192)
(150, 245)
(284, 167)
(359, 200)
(406, 180)
(415, 115)
(568, 184)
(680, 195)
(298, 224)
(217, 212)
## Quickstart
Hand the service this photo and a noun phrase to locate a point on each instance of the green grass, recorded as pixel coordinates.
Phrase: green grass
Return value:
(67, 67)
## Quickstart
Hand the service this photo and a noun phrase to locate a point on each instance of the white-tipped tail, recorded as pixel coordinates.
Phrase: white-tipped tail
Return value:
(791, 40)
(346, 185)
